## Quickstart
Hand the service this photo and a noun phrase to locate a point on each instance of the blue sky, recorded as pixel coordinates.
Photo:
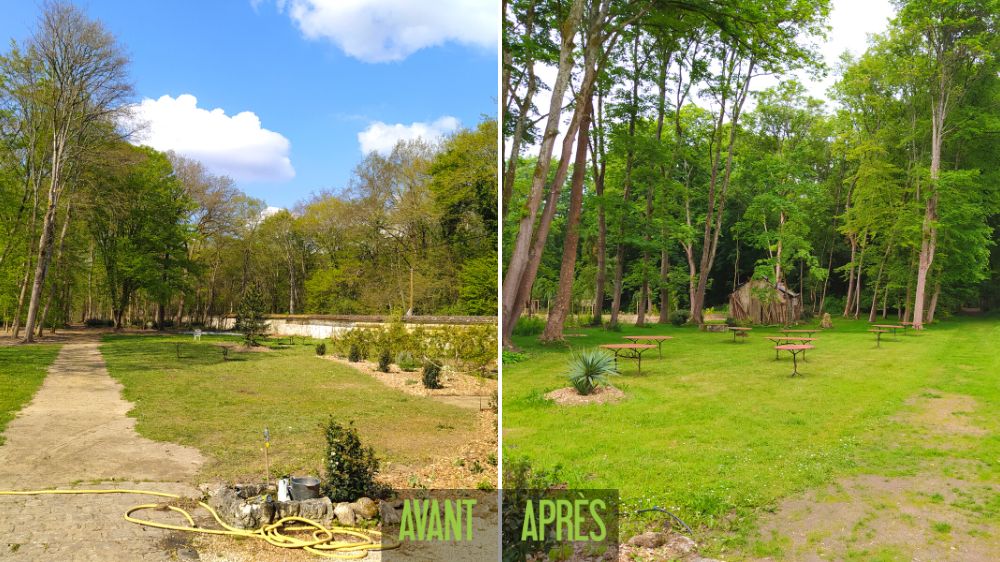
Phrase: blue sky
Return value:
(314, 73)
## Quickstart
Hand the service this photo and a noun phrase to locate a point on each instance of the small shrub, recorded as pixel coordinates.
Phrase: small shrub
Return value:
(406, 362)
(529, 326)
(679, 317)
(590, 369)
(521, 483)
(354, 355)
(350, 466)
(807, 315)
(321, 349)
(510, 357)
(730, 321)
(432, 375)
(384, 359)
(616, 327)
(99, 323)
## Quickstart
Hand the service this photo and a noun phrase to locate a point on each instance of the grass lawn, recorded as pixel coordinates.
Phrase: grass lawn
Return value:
(22, 370)
(221, 407)
(718, 433)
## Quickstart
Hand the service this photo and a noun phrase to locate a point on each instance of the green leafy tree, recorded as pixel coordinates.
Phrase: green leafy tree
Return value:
(250, 316)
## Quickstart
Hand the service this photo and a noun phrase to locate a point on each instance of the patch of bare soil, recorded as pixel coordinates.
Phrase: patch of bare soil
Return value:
(940, 513)
(944, 414)
(454, 383)
(473, 465)
(242, 348)
(570, 397)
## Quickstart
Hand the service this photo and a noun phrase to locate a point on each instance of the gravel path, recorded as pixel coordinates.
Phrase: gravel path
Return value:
(75, 434)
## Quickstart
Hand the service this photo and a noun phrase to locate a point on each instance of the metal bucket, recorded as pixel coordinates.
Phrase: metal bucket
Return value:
(305, 488)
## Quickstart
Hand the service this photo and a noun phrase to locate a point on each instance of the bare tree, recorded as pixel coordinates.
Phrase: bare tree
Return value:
(77, 73)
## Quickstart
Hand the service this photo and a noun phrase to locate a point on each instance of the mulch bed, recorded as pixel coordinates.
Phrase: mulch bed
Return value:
(601, 395)
(455, 384)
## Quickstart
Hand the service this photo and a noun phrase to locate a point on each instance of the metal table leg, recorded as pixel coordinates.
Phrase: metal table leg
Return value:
(795, 363)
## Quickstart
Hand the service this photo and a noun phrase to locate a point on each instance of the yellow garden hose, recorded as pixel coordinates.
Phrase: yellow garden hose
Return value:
(323, 542)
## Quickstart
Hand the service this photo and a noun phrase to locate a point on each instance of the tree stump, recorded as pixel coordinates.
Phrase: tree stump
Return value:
(826, 322)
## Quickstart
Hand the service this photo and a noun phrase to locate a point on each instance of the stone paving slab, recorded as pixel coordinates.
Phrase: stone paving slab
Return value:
(91, 527)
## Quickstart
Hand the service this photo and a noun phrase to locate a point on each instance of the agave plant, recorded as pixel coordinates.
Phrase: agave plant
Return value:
(590, 369)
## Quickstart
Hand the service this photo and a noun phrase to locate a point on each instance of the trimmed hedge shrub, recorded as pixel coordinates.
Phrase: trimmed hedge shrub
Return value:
(354, 354)
(384, 360)
(432, 375)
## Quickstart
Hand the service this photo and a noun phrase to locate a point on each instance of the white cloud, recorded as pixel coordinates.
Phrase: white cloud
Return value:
(391, 30)
(236, 146)
(382, 137)
(270, 211)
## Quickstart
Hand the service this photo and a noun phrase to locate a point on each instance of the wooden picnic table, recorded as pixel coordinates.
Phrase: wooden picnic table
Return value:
(809, 333)
(658, 339)
(739, 331)
(890, 327)
(628, 351)
(878, 335)
(794, 350)
(778, 339)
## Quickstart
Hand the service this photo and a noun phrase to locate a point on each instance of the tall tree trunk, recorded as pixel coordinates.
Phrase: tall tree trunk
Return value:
(928, 232)
(599, 167)
(857, 290)
(849, 299)
(544, 225)
(520, 253)
(717, 190)
(934, 301)
(57, 265)
(46, 239)
(524, 106)
(664, 286)
(616, 298)
(878, 280)
(564, 296)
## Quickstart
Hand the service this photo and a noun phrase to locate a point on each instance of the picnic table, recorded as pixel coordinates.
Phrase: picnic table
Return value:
(779, 339)
(739, 331)
(890, 327)
(807, 332)
(658, 339)
(878, 335)
(628, 351)
(795, 350)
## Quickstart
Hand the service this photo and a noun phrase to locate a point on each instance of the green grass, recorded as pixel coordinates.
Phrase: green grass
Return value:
(222, 406)
(717, 431)
(22, 370)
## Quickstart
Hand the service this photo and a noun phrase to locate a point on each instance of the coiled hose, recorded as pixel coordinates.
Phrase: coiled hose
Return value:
(323, 542)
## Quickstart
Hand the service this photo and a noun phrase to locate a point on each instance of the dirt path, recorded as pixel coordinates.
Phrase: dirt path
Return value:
(75, 434)
(938, 512)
